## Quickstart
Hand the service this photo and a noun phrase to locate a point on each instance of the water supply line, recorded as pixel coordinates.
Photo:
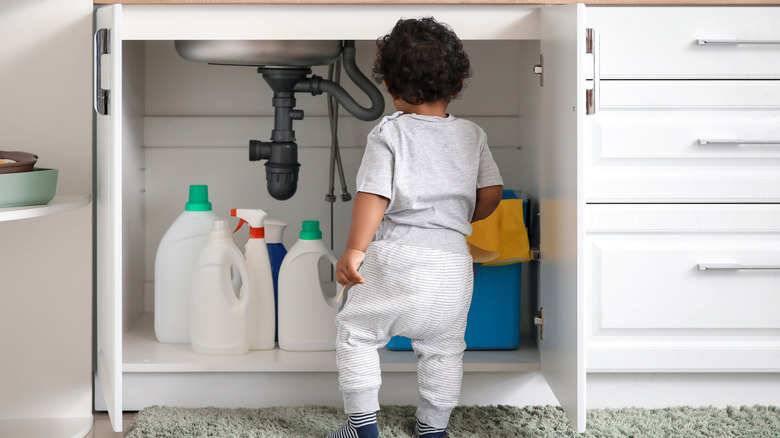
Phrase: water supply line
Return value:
(334, 74)
(281, 152)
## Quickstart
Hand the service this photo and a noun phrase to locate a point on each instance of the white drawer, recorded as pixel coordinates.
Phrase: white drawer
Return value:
(653, 42)
(684, 141)
(644, 269)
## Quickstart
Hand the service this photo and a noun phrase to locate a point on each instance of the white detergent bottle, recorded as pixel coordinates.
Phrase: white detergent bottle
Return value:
(262, 316)
(307, 306)
(176, 256)
(219, 320)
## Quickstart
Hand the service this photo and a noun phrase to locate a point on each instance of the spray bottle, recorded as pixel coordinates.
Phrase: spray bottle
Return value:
(262, 318)
(274, 230)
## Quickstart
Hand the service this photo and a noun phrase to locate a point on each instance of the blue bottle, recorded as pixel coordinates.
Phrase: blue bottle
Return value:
(274, 230)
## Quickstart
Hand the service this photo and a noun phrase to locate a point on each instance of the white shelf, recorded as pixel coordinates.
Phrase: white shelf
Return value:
(46, 427)
(143, 354)
(60, 204)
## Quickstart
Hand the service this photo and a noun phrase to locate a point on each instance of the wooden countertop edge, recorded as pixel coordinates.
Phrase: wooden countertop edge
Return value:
(448, 2)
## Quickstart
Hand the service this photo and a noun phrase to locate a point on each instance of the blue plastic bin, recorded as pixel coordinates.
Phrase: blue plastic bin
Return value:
(494, 317)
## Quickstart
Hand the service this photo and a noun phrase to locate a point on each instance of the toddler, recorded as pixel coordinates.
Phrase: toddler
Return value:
(425, 176)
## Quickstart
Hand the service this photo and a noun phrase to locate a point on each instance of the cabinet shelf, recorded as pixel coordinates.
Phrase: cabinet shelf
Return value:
(60, 204)
(143, 354)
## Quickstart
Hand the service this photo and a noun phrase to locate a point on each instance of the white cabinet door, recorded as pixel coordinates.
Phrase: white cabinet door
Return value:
(108, 197)
(685, 141)
(683, 287)
(562, 32)
(685, 42)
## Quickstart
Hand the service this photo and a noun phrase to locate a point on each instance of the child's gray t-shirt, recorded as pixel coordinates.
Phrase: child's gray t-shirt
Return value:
(430, 169)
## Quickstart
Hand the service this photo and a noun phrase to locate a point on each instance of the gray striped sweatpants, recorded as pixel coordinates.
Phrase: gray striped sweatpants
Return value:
(421, 293)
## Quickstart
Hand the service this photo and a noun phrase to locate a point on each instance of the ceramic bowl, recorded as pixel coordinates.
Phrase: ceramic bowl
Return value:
(35, 187)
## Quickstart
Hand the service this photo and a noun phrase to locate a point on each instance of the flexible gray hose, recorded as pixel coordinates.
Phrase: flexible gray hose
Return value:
(349, 104)
(334, 73)
(333, 111)
(316, 85)
(365, 84)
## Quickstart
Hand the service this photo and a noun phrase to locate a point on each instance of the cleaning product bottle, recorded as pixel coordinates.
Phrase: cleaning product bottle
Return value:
(274, 230)
(176, 256)
(307, 306)
(219, 320)
(262, 317)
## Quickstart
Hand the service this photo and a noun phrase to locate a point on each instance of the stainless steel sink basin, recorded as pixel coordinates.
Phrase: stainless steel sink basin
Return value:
(271, 53)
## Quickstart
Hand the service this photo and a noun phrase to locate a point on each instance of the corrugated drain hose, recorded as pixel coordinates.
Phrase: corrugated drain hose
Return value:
(316, 85)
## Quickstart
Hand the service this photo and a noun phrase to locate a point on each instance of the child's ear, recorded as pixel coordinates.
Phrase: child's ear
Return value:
(384, 82)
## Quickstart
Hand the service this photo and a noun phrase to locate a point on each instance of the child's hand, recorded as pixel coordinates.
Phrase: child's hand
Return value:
(347, 267)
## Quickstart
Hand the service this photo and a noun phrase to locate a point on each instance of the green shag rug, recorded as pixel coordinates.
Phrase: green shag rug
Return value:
(466, 422)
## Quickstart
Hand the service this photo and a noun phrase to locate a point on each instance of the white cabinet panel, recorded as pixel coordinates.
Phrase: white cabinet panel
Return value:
(701, 94)
(653, 280)
(560, 206)
(682, 170)
(306, 21)
(652, 42)
(692, 141)
(109, 237)
(652, 304)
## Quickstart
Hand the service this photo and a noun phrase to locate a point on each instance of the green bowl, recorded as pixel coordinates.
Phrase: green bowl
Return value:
(35, 187)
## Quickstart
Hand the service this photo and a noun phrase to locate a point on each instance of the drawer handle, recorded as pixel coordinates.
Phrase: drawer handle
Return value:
(734, 267)
(706, 141)
(702, 42)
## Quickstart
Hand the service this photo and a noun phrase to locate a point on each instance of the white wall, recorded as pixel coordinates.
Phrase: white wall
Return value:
(46, 263)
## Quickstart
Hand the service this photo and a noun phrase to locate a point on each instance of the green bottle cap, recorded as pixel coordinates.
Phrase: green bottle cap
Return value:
(310, 230)
(199, 199)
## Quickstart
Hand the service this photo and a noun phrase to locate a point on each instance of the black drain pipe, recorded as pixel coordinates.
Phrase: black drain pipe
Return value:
(282, 152)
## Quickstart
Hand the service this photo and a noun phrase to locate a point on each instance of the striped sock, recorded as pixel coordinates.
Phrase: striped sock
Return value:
(358, 426)
(422, 430)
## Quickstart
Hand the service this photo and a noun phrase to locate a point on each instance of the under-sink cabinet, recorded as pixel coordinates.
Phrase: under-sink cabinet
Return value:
(652, 160)
(164, 123)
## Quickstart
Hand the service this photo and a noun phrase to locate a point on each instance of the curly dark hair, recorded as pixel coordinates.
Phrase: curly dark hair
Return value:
(421, 61)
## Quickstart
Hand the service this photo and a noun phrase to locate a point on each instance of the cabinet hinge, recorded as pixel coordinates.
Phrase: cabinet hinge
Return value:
(592, 94)
(101, 98)
(539, 321)
(539, 70)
